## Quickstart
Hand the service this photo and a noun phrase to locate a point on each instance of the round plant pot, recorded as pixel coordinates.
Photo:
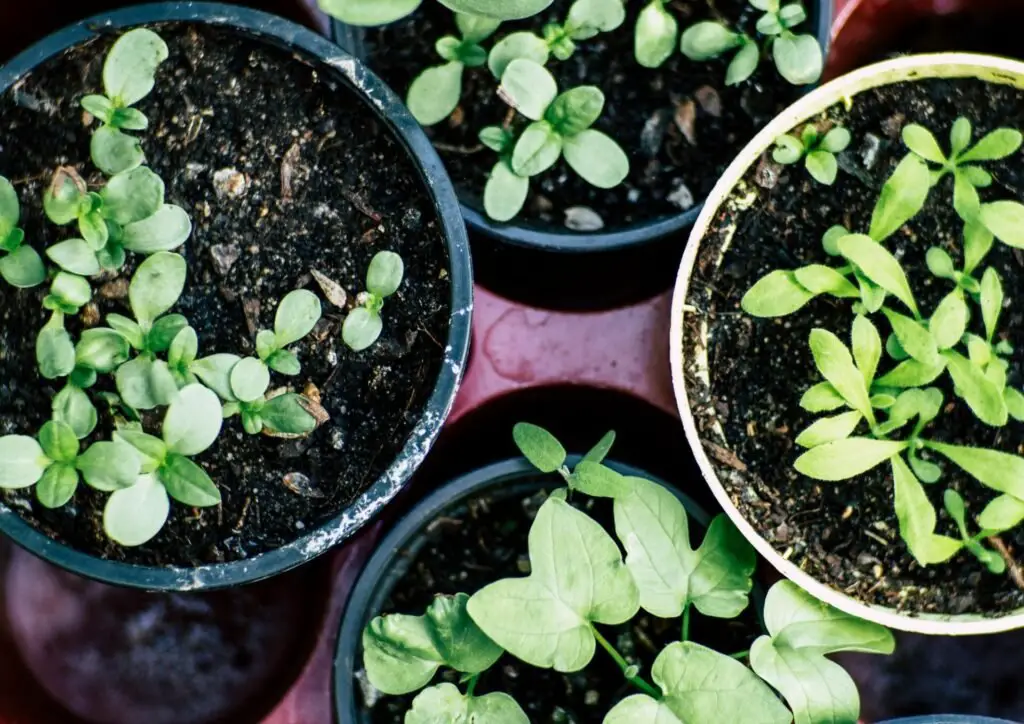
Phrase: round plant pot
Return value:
(399, 548)
(549, 239)
(948, 719)
(387, 118)
(690, 342)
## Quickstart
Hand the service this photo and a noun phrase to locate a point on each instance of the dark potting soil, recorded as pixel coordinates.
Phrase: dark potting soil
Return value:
(484, 540)
(645, 110)
(283, 171)
(846, 533)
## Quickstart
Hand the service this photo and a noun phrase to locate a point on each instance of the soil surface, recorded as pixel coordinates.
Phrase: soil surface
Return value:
(484, 540)
(650, 112)
(278, 184)
(846, 534)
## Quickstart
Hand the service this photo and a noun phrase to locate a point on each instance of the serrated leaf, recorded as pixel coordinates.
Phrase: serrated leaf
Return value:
(911, 373)
(821, 279)
(1000, 471)
(835, 363)
(981, 394)
(844, 459)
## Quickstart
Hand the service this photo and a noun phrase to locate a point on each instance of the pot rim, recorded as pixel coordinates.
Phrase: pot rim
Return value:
(392, 546)
(389, 110)
(940, 65)
(562, 241)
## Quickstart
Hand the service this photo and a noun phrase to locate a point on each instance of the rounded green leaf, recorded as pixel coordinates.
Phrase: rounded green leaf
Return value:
(156, 286)
(110, 466)
(788, 150)
(132, 196)
(822, 166)
(435, 93)
(75, 256)
(135, 515)
(184, 348)
(656, 34)
(598, 159)
(130, 119)
(1005, 219)
(385, 273)
(250, 379)
(23, 268)
(58, 441)
(539, 446)
(55, 352)
(128, 73)
(22, 462)
(193, 420)
(524, 45)
(448, 47)
(940, 263)
(921, 141)
(114, 152)
(144, 383)
(73, 407)
(215, 373)
(792, 15)
(10, 209)
(798, 58)
(165, 230)
(71, 289)
(949, 322)
(188, 483)
(1001, 143)
(776, 294)
(369, 12)
(743, 64)
(505, 192)
(361, 328)
(127, 328)
(706, 40)
(103, 350)
(575, 110)
(296, 316)
(165, 330)
(496, 138)
(57, 486)
(769, 24)
(587, 18)
(528, 87)
(836, 140)
(1003, 513)
(476, 28)
(537, 149)
(286, 414)
(504, 10)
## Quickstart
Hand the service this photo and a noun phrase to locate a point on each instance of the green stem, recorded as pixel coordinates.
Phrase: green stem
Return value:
(471, 686)
(686, 623)
(740, 654)
(624, 665)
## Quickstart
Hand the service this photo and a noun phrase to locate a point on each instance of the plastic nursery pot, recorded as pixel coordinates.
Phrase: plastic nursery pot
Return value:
(550, 265)
(866, 31)
(401, 545)
(386, 119)
(690, 341)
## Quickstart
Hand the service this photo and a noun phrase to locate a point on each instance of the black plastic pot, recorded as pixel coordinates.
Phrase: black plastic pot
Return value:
(393, 115)
(948, 719)
(399, 547)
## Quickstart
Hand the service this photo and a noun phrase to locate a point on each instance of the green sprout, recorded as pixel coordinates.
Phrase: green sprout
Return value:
(128, 77)
(579, 581)
(20, 264)
(561, 128)
(962, 160)
(798, 58)
(817, 151)
(363, 325)
(656, 36)
(368, 13)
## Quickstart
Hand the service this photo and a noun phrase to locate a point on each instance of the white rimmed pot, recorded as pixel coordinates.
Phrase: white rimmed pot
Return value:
(693, 361)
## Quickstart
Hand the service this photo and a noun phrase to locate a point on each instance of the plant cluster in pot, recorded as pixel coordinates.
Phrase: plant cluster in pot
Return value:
(680, 641)
(588, 125)
(225, 309)
(847, 357)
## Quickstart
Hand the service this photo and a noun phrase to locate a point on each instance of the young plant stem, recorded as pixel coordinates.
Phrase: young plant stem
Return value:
(1012, 567)
(471, 686)
(686, 623)
(636, 681)
(740, 654)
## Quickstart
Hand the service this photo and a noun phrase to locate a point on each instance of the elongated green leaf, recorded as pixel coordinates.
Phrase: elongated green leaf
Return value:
(156, 286)
(151, 450)
(598, 481)
(844, 459)
(966, 200)
(135, 515)
(523, 44)
(435, 93)
(991, 301)
(537, 150)
(829, 429)
(1001, 143)
(822, 397)
(539, 446)
(144, 383)
(998, 470)
(22, 462)
(902, 197)
(188, 483)
(867, 347)
(914, 338)
(706, 40)
(835, 363)
(1005, 219)
(55, 352)
(546, 618)
(109, 466)
(743, 64)
(917, 518)
(980, 393)
(921, 141)
(1003, 513)
(776, 294)
(598, 159)
(821, 279)
(600, 451)
(911, 373)
(949, 322)
(130, 69)
(505, 193)
(57, 486)
(878, 265)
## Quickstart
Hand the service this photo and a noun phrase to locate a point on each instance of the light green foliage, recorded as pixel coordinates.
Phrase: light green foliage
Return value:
(20, 265)
(817, 150)
(656, 35)
(954, 505)
(381, 12)
(801, 632)
(445, 704)
(363, 325)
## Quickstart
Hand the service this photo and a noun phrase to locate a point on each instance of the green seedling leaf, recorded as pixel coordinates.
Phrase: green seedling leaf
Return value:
(546, 619)
(940, 263)
(250, 379)
(598, 159)
(822, 397)
(528, 87)
(776, 294)
(165, 330)
(156, 286)
(145, 383)
(537, 149)
(1005, 219)
(23, 268)
(801, 632)
(845, 459)
(1003, 513)
(867, 348)
(361, 329)
(600, 451)
(192, 422)
(879, 265)
(539, 446)
(835, 363)
(57, 486)
(151, 450)
(822, 166)
(476, 28)
(114, 152)
(61, 200)
(1000, 471)
(94, 229)
(369, 12)
(830, 239)
(1001, 143)
(22, 462)
(523, 45)
(165, 230)
(296, 316)
(1014, 403)
(917, 518)
(701, 686)
(921, 141)
(73, 291)
(184, 349)
(911, 373)
(914, 338)
(960, 136)
(445, 704)
(587, 18)
(598, 481)
(505, 10)
(829, 429)
(132, 196)
(55, 352)
(73, 407)
(966, 201)
(286, 414)
(284, 362)
(744, 63)
(135, 515)
(10, 208)
(983, 397)
(949, 322)
(128, 329)
(902, 197)
(505, 193)
(706, 40)
(954, 505)
(576, 110)
(798, 58)
(186, 482)
(656, 35)
(109, 466)
(385, 273)
(788, 150)
(102, 350)
(435, 93)
(836, 140)
(652, 525)
(497, 139)
(58, 441)
(821, 279)
(75, 256)
(991, 301)
(128, 73)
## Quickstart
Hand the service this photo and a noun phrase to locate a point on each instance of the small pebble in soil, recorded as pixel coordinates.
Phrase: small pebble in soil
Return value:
(709, 100)
(581, 218)
(334, 292)
(224, 257)
(301, 485)
(869, 150)
(230, 182)
(681, 196)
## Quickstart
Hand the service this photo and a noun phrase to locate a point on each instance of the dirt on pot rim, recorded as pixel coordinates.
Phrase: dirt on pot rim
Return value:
(726, 472)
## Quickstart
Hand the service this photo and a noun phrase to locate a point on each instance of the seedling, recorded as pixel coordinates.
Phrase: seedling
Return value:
(922, 348)
(128, 77)
(20, 265)
(363, 325)
(798, 58)
(817, 151)
(381, 12)
(579, 581)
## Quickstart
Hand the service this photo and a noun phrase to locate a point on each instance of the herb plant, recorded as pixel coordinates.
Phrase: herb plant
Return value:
(579, 581)
(817, 151)
(382, 12)
(152, 357)
(894, 403)
(364, 325)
